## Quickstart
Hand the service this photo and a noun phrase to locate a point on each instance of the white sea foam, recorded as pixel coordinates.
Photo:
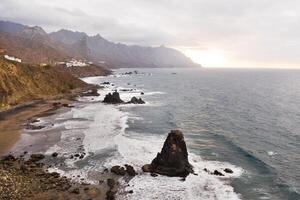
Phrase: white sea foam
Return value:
(271, 153)
(139, 151)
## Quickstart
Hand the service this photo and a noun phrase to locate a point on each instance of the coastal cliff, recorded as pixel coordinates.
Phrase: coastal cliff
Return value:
(20, 83)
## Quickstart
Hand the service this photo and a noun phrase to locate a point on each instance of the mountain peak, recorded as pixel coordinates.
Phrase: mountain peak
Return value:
(33, 31)
(98, 36)
(11, 27)
(68, 36)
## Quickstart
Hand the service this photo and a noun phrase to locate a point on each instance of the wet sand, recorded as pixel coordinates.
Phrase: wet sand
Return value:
(11, 125)
(13, 121)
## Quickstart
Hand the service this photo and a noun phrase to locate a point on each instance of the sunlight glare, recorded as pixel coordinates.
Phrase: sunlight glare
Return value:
(207, 58)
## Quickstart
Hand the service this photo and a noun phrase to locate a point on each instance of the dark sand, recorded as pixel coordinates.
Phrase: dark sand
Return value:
(14, 180)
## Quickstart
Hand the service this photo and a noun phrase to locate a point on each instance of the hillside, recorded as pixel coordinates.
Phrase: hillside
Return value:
(30, 50)
(20, 83)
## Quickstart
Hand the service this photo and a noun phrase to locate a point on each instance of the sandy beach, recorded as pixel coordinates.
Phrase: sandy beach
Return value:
(17, 164)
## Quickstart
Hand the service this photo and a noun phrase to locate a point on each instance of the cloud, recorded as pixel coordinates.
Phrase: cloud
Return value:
(264, 31)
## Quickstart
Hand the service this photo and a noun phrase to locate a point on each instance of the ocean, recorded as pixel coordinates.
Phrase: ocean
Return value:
(244, 119)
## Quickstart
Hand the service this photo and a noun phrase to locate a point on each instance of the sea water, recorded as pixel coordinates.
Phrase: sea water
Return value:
(243, 119)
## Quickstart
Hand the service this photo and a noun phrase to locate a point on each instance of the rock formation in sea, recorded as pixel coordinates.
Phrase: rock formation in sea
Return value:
(113, 98)
(135, 100)
(173, 158)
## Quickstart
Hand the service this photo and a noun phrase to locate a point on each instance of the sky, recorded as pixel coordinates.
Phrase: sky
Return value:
(214, 33)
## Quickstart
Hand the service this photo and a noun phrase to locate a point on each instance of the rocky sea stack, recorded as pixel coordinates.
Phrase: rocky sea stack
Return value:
(113, 98)
(173, 158)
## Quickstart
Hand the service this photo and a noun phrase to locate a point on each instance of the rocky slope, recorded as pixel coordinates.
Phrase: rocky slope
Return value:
(20, 83)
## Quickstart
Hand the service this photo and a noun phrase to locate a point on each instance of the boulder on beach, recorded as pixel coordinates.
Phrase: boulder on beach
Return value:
(113, 98)
(173, 158)
(37, 157)
(135, 100)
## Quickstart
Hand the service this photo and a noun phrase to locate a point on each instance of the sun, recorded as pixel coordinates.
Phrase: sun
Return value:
(207, 58)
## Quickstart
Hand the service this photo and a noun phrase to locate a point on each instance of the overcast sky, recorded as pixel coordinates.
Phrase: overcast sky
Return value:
(246, 32)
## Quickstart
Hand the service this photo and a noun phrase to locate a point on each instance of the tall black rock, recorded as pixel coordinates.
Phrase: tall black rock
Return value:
(113, 98)
(173, 158)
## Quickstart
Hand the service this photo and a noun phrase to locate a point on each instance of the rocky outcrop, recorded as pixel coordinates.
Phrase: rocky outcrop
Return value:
(23, 178)
(173, 158)
(121, 171)
(113, 98)
(135, 100)
(130, 170)
(229, 171)
(118, 170)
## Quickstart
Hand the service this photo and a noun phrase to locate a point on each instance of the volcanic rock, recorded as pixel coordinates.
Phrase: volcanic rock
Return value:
(111, 183)
(55, 154)
(147, 168)
(118, 170)
(110, 195)
(37, 157)
(135, 100)
(229, 171)
(113, 98)
(173, 158)
(217, 173)
(130, 170)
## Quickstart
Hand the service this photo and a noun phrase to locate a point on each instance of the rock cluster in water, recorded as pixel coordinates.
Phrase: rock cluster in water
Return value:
(135, 100)
(173, 158)
(114, 98)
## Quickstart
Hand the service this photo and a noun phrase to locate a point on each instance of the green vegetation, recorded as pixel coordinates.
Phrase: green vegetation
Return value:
(21, 82)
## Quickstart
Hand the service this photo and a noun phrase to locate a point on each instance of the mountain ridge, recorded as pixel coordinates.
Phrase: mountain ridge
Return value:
(74, 44)
(123, 55)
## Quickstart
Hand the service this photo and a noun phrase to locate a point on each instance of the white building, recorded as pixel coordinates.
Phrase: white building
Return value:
(76, 63)
(7, 57)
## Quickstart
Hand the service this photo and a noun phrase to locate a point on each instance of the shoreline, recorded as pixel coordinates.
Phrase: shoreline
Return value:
(13, 119)
(17, 166)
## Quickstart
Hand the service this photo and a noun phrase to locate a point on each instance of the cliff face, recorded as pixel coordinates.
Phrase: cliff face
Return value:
(20, 83)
